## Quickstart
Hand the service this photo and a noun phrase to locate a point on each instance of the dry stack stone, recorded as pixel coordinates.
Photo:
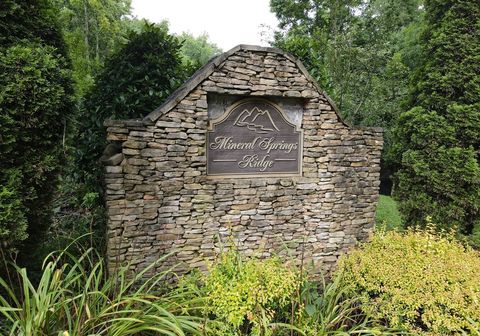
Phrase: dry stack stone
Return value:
(160, 199)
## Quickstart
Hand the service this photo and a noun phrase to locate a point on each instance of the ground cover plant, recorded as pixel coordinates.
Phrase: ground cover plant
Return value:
(387, 215)
(427, 283)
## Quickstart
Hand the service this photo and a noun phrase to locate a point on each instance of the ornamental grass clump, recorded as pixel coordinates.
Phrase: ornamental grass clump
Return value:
(76, 297)
(424, 282)
(325, 308)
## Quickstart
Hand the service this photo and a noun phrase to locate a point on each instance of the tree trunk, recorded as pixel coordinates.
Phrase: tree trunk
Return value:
(86, 32)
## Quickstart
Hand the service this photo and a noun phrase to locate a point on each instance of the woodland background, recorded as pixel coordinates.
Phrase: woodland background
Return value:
(409, 66)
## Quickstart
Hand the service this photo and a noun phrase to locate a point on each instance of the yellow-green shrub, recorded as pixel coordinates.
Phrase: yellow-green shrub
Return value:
(426, 283)
(246, 293)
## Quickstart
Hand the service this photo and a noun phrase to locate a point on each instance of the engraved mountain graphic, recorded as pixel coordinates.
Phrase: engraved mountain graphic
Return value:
(256, 120)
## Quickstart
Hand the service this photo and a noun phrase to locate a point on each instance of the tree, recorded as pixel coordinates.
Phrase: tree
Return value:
(360, 52)
(438, 139)
(134, 81)
(29, 20)
(35, 100)
(351, 48)
(319, 33)
(198, 50)
(92, 30)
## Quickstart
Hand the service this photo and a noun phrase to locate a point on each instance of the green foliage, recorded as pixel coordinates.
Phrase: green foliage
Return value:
(355, 49)
(317, 33)
(134, 81)
(196, 51)
(240, 296)
(424, 282)
(437, 140)
(13, 224)
(387, 215)
(360, 52)
(299, 43)
(450, 73)
(247, 294)
(444, 184)
(327, 309)
(76, 297)
(29, 20)
(76, 213)
(92, 30)
(474, 238)
(35, 101)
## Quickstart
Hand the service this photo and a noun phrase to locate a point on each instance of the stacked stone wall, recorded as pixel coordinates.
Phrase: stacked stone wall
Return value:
(160, 199)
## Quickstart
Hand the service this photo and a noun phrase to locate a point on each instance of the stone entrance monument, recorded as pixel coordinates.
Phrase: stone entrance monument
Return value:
(250, 147)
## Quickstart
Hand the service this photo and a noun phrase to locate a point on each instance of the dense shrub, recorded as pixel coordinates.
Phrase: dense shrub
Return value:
(35, 104)
(427, 283)
(35, 101)
(437, 140)
(13, 224)
(247, 293)
(29, 20)
(134, 81)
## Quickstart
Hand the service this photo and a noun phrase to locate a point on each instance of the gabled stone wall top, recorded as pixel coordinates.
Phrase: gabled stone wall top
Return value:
(160, 198)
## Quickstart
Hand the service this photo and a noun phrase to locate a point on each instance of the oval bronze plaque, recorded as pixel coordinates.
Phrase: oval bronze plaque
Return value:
(254, 137)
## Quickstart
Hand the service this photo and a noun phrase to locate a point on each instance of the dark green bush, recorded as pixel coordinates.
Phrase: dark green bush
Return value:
(134, 81)
(35, 102)
(29, 20)
(438, 139)
(13, 224)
